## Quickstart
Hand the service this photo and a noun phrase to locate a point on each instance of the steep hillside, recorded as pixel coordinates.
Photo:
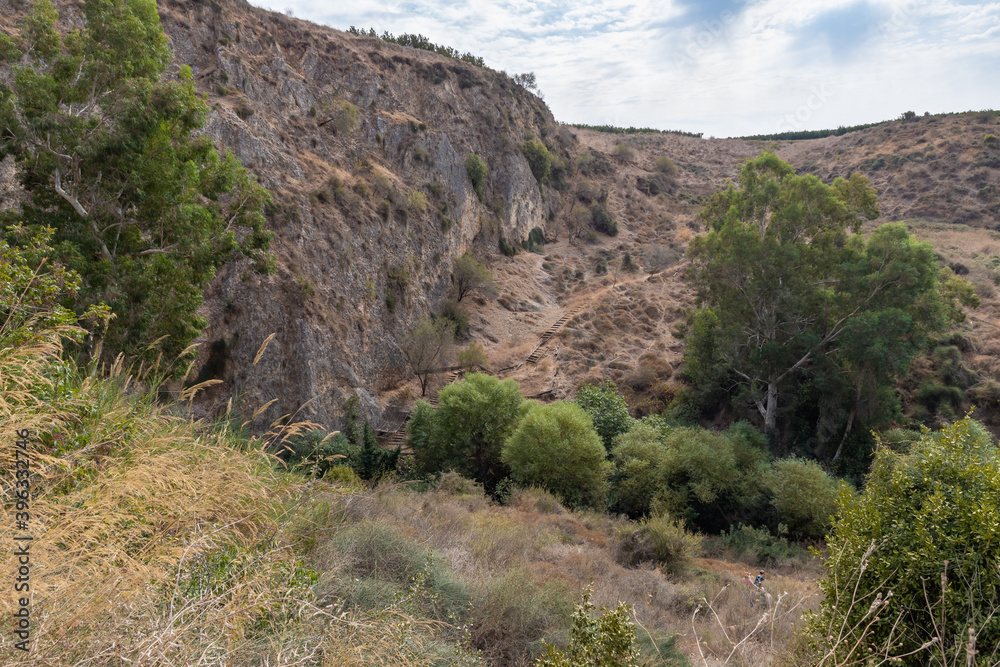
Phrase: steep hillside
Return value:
(363, 144)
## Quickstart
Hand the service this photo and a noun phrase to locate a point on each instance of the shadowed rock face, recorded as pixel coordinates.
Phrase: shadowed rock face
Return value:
(300, 105)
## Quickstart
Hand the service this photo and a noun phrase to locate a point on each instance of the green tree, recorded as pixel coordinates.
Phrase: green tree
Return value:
(804, 495)
(713, 478)
(470, 275)
(607, 408)
(429, 347)
(32, 287)
(143, 209)
(466, 432)
(371, 461)
(912, 573)
(555, 447)
(789, 277)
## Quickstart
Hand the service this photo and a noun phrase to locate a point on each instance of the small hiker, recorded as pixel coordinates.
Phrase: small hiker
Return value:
(758, 581)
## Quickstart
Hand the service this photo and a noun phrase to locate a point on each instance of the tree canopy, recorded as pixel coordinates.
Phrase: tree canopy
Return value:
(104, 137)
(466, 432)
(797, 294)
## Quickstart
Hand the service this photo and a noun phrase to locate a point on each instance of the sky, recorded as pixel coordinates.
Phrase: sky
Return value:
(721, 67)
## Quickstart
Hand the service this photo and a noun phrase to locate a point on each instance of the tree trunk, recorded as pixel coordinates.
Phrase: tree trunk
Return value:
(850, 419)
(772, 406)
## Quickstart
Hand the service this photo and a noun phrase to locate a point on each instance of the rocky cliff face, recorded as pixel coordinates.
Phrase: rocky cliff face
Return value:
(363, 145)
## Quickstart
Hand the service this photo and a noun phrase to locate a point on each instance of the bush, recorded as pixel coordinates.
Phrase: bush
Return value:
(710, 477)
(624, 152)
(758, 546)
(912, 566)
(593, 163)
(642, 463)
(602, 220)
(316, 452)
(555, 447)
(343, 118)
(536, 237)
(658, 539)
(416, 202)
(473, 356)
(605, 641)
(607, 408)
(506, 248)
(666, 166)
(470, 275)
(453, 313)
(476, 169)
(804, 495)
(454, 484)
(539, 159)
(467, 431)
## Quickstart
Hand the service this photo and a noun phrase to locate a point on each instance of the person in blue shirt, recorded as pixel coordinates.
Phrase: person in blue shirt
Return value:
(759, 580)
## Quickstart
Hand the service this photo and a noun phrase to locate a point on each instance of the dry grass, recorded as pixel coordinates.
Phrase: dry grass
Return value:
(159, 540)
(155, 541)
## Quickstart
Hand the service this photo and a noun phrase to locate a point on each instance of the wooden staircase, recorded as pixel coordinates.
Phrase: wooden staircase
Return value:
(390, 438)
(549, 334)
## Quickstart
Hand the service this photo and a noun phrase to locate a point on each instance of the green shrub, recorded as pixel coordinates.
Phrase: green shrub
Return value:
(539, 159)
(642, 463)
(454, 313)
(506, 248)
(804, 495)
(476, 169)
(606, 641)
(473, 356)
(536, 237)
(665, 165)
(555, 447)
(713, 478)
(602, 220)
(912, 565)
(467, 431)
(317, 451)
(593, 163)
(343, 117)
(416, 202)
(371, 461)
(470, 275)
(607, 408)
(624, 152)
(658, 539)
(343, 476)
(758, 546)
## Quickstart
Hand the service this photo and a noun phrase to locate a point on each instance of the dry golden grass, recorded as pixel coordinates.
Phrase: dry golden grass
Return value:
(155, 541)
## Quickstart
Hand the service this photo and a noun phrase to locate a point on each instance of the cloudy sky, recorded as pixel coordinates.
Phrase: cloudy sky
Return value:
(722, 67)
